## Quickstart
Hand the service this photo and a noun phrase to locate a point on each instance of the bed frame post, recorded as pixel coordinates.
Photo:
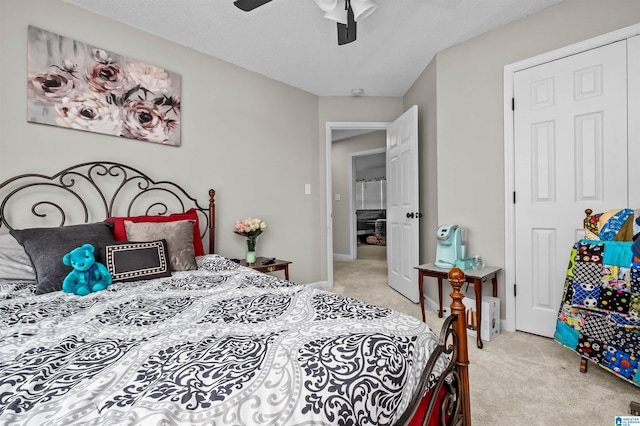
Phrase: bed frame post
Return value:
(212, 221)
(456, 278)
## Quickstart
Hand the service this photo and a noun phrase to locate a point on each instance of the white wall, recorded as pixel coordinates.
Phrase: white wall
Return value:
(424, 94)
(252, 139)
(470, 143)
(347, 109)
(256, 141)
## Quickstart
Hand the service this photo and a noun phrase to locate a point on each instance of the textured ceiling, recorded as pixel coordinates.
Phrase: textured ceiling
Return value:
(290, 41)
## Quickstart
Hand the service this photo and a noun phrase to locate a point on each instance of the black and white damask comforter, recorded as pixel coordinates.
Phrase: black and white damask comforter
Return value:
(222, 345)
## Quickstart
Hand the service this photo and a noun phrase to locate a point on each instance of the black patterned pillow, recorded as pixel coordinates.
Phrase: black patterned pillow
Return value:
(135, 261)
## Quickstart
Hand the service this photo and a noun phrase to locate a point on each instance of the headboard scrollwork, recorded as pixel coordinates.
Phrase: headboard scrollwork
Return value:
(93, 191)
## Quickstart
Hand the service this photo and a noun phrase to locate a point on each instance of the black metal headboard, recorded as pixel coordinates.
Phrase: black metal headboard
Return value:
(93, 191)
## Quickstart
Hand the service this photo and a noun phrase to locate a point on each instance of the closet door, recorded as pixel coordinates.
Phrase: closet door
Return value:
(570, 124)
(633, 58)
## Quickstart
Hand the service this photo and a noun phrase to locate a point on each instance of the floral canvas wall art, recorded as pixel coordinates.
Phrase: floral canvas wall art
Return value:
(71, 84)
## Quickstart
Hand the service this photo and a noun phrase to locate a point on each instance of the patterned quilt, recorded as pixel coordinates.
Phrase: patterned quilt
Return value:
(600, 313)
(222, 345)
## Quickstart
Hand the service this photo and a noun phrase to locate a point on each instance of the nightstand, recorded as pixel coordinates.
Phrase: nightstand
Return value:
(475, 277)
(278, 265)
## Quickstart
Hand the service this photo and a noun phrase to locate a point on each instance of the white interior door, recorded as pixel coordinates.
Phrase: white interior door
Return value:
(570, 124)
(402, 204)
(633, 66)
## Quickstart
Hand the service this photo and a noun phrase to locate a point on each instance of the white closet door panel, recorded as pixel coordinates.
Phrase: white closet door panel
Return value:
(570, 155)
(633, 57)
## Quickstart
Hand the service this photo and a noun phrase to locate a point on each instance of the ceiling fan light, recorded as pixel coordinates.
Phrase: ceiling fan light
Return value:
(362, 8)
(338, 14)
(328, 5)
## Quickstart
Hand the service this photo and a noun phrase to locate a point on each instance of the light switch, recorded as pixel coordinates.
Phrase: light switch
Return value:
(307, 188)
(337, 197)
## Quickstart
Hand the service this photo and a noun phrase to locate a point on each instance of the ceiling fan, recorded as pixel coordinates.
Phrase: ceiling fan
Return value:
(344, 12)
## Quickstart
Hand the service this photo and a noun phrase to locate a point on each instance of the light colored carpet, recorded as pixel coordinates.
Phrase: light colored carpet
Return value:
(518, 378)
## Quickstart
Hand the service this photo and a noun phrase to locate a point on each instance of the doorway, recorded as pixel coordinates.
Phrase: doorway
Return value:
(402, 226)
(358, 192)
(337, 131)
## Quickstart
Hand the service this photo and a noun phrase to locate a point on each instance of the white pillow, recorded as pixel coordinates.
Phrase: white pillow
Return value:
(14, 261)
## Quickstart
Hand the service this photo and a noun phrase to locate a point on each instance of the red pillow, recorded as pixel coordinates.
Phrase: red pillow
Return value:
(120, 233)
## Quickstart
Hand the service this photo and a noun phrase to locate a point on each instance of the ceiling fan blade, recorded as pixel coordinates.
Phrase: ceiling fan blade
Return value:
(347, 32)
(249, 5)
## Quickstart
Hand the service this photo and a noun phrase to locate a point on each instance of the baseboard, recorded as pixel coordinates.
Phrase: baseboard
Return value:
(338, 256)
(319, 284)
(432, 305)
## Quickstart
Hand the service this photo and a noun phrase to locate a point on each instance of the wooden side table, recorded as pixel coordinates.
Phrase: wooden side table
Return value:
(278, 265)
(477, 278)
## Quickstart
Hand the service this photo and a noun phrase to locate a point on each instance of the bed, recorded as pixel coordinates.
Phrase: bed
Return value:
(212, 342)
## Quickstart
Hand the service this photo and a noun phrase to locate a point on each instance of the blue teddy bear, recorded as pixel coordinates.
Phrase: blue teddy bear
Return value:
(87, 275)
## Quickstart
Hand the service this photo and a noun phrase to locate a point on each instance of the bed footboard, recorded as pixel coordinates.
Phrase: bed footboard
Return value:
(449, 397)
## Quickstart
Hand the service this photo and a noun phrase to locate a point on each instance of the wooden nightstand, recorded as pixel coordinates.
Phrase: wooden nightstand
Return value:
(475, 277)
(278, 265)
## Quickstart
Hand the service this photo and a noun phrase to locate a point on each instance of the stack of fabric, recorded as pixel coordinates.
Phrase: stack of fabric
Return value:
(600, 313)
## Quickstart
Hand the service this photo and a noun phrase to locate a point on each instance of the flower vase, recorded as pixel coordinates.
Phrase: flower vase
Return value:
(250, 257)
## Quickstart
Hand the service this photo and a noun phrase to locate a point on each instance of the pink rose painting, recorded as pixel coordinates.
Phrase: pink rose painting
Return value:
(77, 86)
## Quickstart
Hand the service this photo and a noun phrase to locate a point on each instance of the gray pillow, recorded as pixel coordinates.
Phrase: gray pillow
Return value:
(47, 246)
(14, 261)
(179, 237)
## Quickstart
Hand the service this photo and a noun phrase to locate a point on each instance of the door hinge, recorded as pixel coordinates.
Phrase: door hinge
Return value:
(514, 291)
(513, 104)
(514, 197)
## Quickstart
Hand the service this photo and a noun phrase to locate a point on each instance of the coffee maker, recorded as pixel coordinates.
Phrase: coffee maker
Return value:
(450, 246)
